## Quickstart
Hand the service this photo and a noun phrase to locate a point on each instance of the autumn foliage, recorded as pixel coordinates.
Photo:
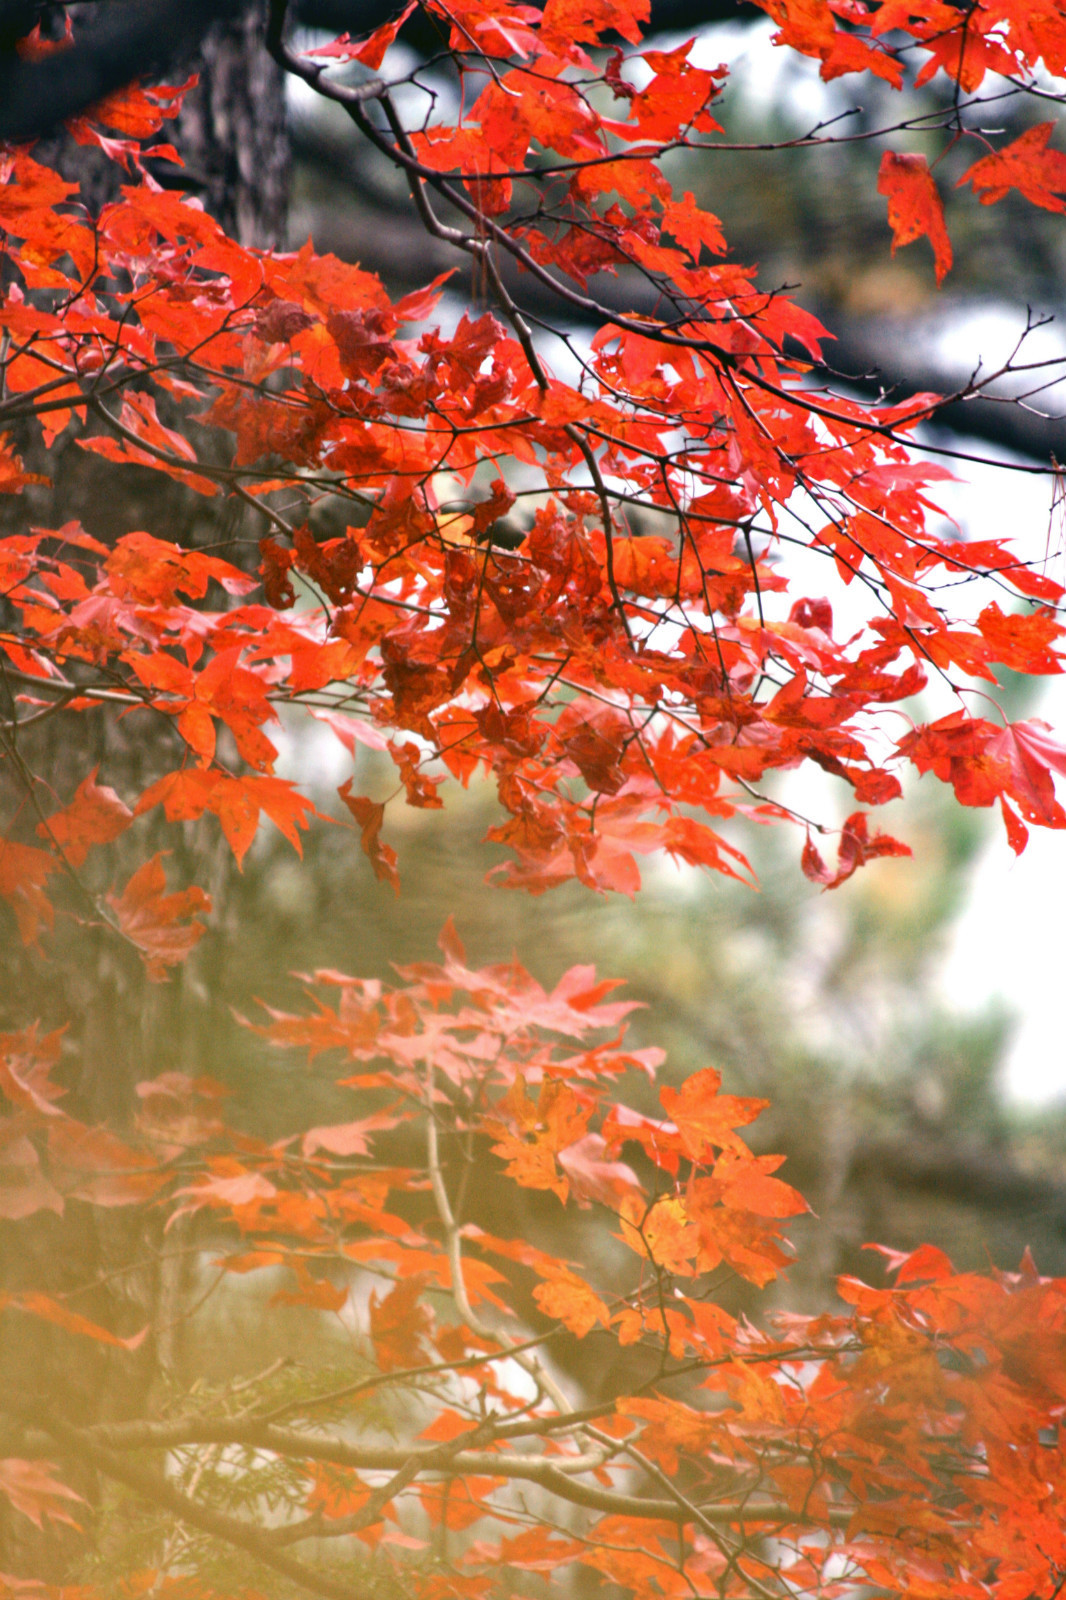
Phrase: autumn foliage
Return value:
(573, 582)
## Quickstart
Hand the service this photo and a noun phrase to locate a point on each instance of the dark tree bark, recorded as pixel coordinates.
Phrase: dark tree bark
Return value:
(231, 133)
(125, 39)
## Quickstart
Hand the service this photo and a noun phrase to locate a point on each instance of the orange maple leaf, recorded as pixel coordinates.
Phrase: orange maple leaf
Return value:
(162, 926)
(30, 1487)
(96, 815)
(914, 206)
(569, 1300)
(705, 1119)
(1026, 164)
(399, 1323)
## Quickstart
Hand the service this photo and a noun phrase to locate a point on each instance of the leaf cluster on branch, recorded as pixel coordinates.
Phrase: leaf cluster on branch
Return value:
(485, 546)
(910, 1440)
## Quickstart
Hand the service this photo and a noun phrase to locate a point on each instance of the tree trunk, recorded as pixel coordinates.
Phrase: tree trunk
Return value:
(231, 133)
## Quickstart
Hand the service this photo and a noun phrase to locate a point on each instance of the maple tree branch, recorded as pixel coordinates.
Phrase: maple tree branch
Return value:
(68, 690)
(311, 72)
(693, 1513)
(319, 1527)
(513, 312)
(412, 1375)
(275, 517)
(573, 432)
(401, 154)
(157, 1489)
(546, 1384)
(16, 724)
(416, 186)
(540, 691)
(868, 353)
(557, 1474)
(168, 457)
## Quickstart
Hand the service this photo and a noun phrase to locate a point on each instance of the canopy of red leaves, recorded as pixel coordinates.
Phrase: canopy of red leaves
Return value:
(628, 689)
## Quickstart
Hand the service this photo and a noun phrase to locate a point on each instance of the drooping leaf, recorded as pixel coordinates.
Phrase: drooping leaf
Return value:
(163, 926)
(32, 1488)
(370, 814)
(399, 1323)
(914, 206)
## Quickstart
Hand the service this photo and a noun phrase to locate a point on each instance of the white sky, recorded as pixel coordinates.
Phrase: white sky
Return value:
(1009, 944)
(1009, 941)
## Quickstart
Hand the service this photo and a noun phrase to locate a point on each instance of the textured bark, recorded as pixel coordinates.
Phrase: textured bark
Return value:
(231, 130)
(107, 1264)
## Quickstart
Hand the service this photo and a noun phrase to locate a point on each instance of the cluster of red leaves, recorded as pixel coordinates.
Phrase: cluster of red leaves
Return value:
(909, 1443)
(626, 689)
(1007, 38)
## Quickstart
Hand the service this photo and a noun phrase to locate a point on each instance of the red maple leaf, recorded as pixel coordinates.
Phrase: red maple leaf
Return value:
(162, 926)
(914, 206)
(1026, 164)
